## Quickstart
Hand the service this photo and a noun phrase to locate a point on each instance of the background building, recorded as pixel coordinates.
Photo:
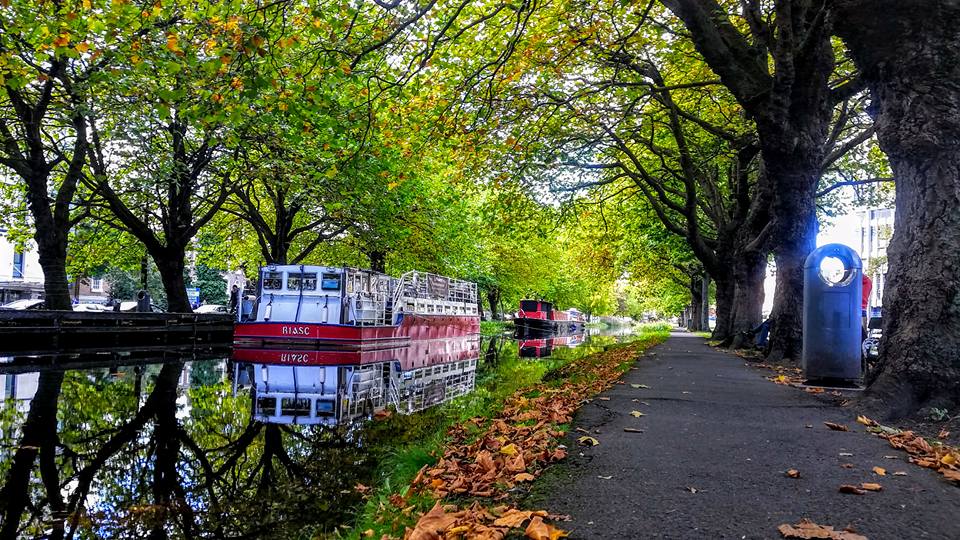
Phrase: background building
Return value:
(20, 273)
(21, 276)
(874, 229)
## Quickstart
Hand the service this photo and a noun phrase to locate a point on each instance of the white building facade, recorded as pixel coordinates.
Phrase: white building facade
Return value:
(874, 230)
(20, 273)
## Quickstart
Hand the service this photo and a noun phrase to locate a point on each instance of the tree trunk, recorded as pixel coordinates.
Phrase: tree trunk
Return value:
(52, 252)
(279, 251)
(696, 305)
(794, 212)
(705, 303)
(725, 295)
(749, 272)
(51, 241)
(171, 266)
(493, 297)
(378, 260)
(911, 64)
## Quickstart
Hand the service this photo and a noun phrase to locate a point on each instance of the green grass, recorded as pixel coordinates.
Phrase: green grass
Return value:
(495, 328)
(662, 328)
(407, 443)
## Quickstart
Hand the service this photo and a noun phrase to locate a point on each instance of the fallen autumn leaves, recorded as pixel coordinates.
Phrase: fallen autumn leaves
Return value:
(808, 529)
(487, 458)
(943, 458)
(480, 523)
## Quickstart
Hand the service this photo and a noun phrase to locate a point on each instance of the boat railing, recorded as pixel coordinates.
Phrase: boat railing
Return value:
(427, 286)
(370, 295)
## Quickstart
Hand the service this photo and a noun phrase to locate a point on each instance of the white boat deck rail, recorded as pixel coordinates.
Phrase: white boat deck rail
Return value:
(426, 293)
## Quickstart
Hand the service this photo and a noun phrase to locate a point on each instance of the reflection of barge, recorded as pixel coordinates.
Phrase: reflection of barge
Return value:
(338, 386)
(321, 304)
(543, 347)
(537, 316)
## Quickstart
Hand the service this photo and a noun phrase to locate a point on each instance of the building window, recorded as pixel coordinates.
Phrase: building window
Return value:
(18, 264)
(96, 285)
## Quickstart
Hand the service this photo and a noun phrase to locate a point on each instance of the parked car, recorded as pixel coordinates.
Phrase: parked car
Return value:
(90, 307)
(131, 305)
(212, 308)
(24, 304)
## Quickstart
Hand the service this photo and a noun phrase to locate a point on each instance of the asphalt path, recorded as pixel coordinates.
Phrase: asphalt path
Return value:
(710, 463)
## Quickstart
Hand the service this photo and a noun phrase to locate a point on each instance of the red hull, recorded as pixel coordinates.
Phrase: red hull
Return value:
(415, 355)
(415, 327)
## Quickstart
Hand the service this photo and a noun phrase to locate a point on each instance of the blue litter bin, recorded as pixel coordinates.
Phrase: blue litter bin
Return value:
(831, 314)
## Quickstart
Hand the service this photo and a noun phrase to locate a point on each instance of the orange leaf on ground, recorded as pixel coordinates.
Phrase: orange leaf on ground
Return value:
(512, 518)
(432, 524)
(485, 461)
(538, 530)
(943, 434)
(807, 529)
(951, 475)
(870, 486)
(880, 471)
(852, 490)
(836, 427)
(793, 473)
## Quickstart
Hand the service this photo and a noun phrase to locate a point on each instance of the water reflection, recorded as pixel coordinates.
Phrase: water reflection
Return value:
(337, 386)
(187, 443)
(543, 347)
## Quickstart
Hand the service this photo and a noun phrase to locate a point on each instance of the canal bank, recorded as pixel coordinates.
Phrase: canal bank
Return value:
(489, 455)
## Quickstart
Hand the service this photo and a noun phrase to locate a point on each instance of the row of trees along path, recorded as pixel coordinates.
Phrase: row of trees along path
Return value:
(151, 131)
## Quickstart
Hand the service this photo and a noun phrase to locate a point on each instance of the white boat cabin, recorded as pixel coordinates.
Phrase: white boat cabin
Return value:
(351, 296)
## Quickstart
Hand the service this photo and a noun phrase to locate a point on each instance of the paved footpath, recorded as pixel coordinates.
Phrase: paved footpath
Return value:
(710, 463)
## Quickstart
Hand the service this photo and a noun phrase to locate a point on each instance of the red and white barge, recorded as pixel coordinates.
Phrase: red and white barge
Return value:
(353, 307)
(538, 316)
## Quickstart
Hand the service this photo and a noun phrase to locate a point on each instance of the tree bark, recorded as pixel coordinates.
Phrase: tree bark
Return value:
(493, 297)
(171, 266)
(725, 296)
(52, 252)
(378, 260)
(750, 271)
(696, 305)
(910, 61)
(705, 303)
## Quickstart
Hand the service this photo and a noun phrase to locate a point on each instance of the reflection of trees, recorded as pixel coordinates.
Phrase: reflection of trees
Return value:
(38, 439)
(128, 469)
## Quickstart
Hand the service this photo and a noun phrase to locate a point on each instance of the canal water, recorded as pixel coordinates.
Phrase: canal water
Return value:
(245, 443)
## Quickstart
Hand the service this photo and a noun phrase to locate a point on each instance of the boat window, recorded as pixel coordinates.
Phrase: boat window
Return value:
(330, 282)
(307, 281)
(325, 407)
(528, 305)
(272, 281)
(295, 406)
(267, 405)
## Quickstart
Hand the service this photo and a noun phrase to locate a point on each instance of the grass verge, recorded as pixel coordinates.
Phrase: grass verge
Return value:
(495, 328)
(484, 446)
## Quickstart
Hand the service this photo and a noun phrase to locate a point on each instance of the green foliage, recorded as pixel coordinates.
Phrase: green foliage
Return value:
(213, 288)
